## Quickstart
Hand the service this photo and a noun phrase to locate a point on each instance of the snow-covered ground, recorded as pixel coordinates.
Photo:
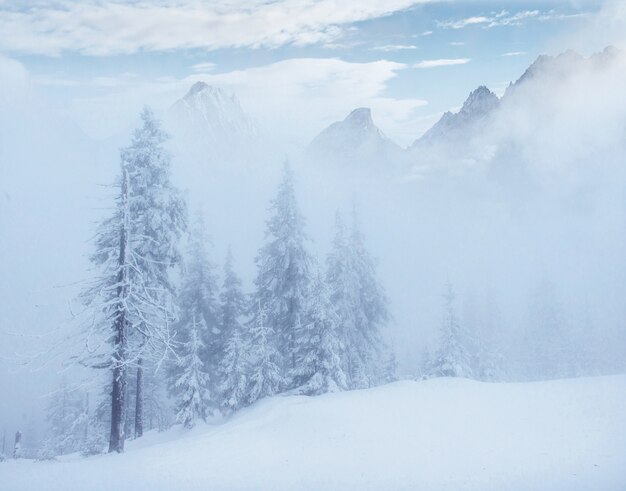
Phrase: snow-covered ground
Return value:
(443, 434)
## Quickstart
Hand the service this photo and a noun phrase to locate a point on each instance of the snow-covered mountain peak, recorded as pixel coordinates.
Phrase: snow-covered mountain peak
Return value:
(204, 96)
(212, 121)
(356, 138)
(480, 101)
(360, 118)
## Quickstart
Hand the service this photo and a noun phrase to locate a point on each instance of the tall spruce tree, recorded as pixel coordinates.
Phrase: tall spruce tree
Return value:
(372, 312)
(197, 333)
(319, 366)
(194, 397)
(453, 356)
(135, 250)
(161, 221)
(264, 374)
(283, 277)
(233, 364)
(198, 299)
(360, 304)
(67, 422)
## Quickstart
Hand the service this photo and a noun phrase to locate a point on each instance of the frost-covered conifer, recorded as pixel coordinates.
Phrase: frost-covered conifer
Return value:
(233, 365)
(283, 278)
(198, 299)
(67, 420)
(452, 358)
(264, 374)
(135, 250)
(319, 365)
(192, 385)
(360, 304)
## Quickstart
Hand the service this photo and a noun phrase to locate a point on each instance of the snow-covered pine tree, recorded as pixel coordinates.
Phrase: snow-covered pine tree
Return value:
(264, 374)
(198, 300)
(390, 368)
(283, 277)
(162, 220)
(372, 309)
(233, 365)
(194, 399)
(135, 250)
(319, 366)
(452, 358)
(66, 417)
(360, 304)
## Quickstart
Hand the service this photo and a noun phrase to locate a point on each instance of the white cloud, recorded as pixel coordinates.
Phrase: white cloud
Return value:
(101, 28)
(203, 67)
(394, 47)
(502, 18)
(514, 53)
(456, 43)
(441, 62)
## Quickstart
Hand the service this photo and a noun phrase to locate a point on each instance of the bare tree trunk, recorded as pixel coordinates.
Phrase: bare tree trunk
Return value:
(118, 392)
(139, 401)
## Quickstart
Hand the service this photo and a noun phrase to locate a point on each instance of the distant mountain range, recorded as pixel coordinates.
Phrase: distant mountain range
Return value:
(357, 140)
(212, 123)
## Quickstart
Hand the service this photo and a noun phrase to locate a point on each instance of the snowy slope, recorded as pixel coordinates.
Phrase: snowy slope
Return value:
(443, 434)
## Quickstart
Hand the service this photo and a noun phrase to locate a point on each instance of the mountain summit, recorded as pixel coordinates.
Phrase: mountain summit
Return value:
(477, 107)
(214, 121)
(354, 141)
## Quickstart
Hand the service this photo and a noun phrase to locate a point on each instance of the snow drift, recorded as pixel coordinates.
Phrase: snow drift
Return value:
(440, 434)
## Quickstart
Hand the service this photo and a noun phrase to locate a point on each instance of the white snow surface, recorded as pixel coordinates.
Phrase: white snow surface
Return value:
(440, 434)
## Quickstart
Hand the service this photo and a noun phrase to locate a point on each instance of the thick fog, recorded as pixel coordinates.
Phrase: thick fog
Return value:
(524, 215)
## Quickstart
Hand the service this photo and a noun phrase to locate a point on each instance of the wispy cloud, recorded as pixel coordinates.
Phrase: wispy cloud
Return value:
(94, 27)
(394, 47)
(514, 53)
(441, 62)
(457, 43)
(502, 18)
(203, 67)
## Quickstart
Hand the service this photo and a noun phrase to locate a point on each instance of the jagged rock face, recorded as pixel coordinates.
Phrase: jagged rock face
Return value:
(354, 141)
(212, 122)
(476, 108)
(563, 66)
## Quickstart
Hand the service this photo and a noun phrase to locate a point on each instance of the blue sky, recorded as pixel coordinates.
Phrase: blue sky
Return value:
(297, 64)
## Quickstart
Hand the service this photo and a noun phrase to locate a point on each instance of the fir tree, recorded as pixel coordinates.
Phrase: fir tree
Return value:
(264, 374)
(282, 281)
(197, 300)
(360, 305)
(135, 250)
(320, 352)
(452, 359)
(67, 419)
(194, 399)
(233, 366)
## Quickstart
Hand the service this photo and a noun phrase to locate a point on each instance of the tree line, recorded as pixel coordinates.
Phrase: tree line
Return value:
(161, 324)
